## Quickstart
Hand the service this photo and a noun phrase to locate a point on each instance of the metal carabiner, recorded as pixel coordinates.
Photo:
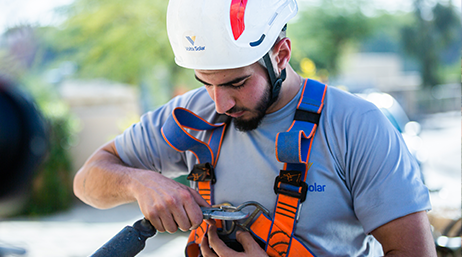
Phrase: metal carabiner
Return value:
(245, 224)
(223, 211)
(258, 208)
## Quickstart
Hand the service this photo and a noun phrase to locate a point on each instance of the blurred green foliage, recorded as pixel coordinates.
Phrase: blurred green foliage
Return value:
(434, 30)
(51, 190)
(427, 39)
(119, 40)
(126, 41)
(322, 33)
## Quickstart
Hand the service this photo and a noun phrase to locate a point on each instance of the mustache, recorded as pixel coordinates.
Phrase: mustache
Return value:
(235, 109)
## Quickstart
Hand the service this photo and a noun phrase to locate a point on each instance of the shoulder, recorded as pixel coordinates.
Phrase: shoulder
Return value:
(142, 145)
(342, 108)
(340, 99)
(350, 125)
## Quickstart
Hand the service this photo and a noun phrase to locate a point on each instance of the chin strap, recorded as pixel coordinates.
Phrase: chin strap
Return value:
(275, 82)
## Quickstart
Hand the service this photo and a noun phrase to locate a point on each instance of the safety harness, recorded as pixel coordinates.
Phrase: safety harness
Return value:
(293, 148)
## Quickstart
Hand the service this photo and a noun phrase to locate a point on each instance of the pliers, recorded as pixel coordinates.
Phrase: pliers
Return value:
(223, 212)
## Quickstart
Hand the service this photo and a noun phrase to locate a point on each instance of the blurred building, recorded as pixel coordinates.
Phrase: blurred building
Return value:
(104, 109)
(385, 72)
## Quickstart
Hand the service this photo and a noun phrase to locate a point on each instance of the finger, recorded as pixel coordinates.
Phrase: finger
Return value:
(193, 210)
(245, 239)
(177, 206)
(157, 224)
(168, 222)
(198, 198)
(218, 245)
(181, 218)
(162, 219)
(250, 245)
(205, 248)
(211, 222)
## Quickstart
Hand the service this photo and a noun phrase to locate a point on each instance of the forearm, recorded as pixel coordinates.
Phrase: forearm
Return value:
(104, 180)
(407, 236)
(430, 252)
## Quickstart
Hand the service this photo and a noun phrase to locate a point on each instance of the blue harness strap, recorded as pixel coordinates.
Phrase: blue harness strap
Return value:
(175, 134)
(292, 148)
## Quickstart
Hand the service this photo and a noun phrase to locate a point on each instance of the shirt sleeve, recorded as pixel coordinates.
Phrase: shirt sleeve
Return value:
(384, 177)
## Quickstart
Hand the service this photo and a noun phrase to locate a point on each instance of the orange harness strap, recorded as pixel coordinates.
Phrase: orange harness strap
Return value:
(175, 134)
(196, 236)
(261, 228)
(293, 148)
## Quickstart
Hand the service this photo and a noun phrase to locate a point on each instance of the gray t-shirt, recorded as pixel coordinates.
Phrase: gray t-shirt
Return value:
(362, 175)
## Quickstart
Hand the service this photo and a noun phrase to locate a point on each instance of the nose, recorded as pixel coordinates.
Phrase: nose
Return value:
(222, 98)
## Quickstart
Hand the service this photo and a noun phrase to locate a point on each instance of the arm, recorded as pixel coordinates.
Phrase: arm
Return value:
(407, 236)
(105, 181)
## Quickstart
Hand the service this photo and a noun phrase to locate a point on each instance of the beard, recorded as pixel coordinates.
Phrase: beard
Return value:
(245, 125)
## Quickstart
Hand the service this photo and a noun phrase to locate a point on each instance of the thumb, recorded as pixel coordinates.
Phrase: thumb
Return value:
(248, 242)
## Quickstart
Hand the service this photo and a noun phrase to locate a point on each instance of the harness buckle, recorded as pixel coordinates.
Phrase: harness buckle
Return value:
(202, 172)
(289, 182)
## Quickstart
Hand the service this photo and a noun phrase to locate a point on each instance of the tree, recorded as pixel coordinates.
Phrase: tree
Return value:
(323, 32)
(435, 29)
(17, 50)
(118, 40)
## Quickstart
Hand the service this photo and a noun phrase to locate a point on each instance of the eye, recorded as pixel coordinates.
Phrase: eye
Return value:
(240, 85)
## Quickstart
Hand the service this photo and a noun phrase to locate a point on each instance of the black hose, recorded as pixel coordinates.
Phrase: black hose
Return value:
(128, 242)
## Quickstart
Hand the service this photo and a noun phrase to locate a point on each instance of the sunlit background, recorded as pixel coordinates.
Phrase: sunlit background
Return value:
(94, 66)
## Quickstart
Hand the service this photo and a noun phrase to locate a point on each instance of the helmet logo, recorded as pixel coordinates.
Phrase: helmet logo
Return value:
(237, 17)
(191, 39)
(192, 43)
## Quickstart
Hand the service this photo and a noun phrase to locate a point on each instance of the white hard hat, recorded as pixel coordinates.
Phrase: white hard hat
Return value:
(225, 34)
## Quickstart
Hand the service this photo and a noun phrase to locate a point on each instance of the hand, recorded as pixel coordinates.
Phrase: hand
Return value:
(212, 241)
(167, 204)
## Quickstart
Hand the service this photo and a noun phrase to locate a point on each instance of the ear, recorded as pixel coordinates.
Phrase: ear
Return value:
(281, 52)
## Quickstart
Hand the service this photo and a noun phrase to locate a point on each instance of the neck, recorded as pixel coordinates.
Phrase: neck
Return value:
(289, 90)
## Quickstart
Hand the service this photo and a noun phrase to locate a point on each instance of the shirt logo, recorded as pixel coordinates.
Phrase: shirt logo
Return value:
(316, 188)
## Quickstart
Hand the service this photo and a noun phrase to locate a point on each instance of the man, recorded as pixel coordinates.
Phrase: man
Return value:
(365, 197)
